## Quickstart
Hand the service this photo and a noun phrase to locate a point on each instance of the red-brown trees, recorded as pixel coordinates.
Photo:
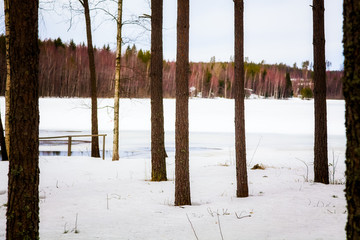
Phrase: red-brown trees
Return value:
(64, 72)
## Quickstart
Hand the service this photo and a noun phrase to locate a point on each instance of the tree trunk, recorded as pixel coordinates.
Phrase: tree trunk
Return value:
(351, 89)
(226, 79)
(5, 142)
(7, 87)
(23, 185)
(117, 84)
(4, 155)
(94, 120)
(182, 181)
(158, 154)
(321, 168)
(240, 144)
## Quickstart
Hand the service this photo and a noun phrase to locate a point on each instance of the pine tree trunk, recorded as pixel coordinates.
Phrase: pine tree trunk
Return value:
(23, 185)
(240, 144)
(94, 120)
(321, 168)
(158, 154)
(182, 178)
(117, 84)
(4, 155)
(351, 89)
(7, 87)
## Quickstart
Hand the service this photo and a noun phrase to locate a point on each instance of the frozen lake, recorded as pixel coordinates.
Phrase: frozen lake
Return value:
(113, 199)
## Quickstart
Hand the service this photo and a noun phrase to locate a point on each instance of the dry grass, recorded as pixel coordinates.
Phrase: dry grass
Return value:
(258, 167)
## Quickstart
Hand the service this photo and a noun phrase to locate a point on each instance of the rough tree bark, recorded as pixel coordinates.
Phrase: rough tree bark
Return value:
(94, 119)
(240, 144)
(158, 154)
(182, 179)
(351, 87)
(321, 168)
(23, 185)
(7, 87)
(117, 83)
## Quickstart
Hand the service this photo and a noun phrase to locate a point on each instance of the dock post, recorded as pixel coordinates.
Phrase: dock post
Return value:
(69, 145)
(104, 147)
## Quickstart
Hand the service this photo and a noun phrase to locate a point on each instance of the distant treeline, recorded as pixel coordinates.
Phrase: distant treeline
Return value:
(64, 73)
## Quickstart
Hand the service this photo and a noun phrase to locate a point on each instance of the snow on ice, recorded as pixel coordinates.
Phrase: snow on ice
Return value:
(115, 200)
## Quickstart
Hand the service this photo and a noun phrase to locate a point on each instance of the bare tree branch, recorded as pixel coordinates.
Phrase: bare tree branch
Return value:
(192, 226)
(222, 237)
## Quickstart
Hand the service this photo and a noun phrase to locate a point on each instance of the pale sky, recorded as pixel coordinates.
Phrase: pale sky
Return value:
(275, 31)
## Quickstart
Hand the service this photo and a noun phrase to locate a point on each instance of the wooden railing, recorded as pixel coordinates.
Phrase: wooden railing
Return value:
(70, 137)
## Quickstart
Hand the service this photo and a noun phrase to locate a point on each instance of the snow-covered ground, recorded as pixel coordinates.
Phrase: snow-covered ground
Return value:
(87, 198)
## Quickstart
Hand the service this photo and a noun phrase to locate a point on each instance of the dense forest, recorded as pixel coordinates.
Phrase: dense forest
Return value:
(64, 72)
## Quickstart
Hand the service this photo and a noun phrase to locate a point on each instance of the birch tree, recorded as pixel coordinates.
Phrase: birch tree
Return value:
(117, 83)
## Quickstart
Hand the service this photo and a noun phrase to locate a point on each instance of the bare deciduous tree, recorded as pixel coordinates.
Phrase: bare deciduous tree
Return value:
(117, 83)
(94, 119)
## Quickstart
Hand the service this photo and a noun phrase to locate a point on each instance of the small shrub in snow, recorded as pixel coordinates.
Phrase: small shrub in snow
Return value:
(306, 93)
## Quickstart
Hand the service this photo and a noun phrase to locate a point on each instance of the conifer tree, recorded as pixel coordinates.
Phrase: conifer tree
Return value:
(288, 86)
(158, 154)
(23, 186)
(4, 155)
(351, 87)
(182, 178)
(240, 144)
(321, 168)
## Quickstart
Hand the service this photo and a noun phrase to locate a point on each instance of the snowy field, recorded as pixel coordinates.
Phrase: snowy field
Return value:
(88, 198)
